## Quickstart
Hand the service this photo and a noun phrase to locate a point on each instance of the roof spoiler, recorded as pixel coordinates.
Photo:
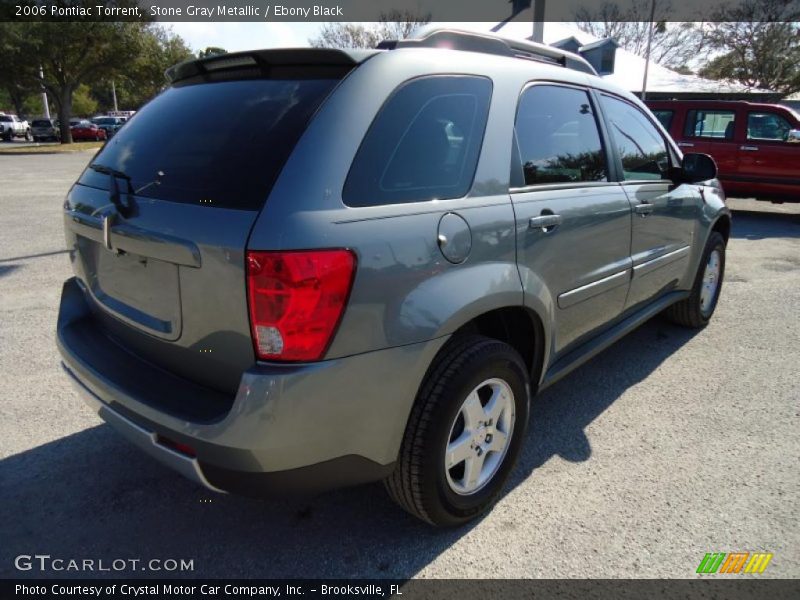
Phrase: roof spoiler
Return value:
(265, 60)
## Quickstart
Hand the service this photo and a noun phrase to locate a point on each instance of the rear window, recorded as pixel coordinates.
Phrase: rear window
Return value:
(423, 145)
(219, 144)
(41, 123)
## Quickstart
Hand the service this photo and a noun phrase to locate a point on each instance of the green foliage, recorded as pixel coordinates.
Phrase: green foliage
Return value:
(759, 45)
(83, 104)
(80, 60)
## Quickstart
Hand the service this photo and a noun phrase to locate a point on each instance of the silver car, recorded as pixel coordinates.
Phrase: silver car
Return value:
(375, 266)
(45, 129)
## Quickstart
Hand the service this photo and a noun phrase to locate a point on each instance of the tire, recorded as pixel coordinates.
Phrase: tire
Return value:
(8, 136)
(28, 136)
(421, 483)
(696, 310)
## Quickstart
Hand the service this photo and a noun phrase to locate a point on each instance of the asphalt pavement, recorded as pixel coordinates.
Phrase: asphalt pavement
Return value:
(669, 445)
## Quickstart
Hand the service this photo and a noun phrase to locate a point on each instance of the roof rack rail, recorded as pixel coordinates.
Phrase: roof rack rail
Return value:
(471, 41)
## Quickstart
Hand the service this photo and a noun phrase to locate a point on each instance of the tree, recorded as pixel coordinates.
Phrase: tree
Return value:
(394, 25)
(73, 53)
(673, 44)
(82, 102)
(18, 74)
(759, 45)
(144, 78)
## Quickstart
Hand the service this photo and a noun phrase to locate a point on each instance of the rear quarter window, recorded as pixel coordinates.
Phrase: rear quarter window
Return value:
(423, 145)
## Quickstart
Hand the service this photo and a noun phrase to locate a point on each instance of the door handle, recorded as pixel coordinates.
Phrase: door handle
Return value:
(545, 222)
(686, 144)
(749, 148)
(644, 209)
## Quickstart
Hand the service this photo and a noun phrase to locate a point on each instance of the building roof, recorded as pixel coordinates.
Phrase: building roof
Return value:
(629, 67)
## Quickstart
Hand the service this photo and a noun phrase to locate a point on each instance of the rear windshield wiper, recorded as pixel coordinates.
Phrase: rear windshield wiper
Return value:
(113, 188)
(109, 171)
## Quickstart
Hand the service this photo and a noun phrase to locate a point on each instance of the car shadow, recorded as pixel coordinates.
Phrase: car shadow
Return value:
(755, 225)
(91, 495)
(8, 269)
(29, 256)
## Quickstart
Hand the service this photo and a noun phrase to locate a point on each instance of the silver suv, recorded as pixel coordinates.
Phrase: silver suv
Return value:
(373, 269)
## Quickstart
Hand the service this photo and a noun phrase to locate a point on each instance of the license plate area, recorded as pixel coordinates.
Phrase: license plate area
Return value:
(139, 290)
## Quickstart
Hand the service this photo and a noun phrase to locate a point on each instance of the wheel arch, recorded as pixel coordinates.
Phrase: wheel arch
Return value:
(722, 225)
(518, 326)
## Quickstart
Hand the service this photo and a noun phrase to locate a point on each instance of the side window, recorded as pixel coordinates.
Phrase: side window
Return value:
(557, 136)
(423, 145)
(664, 116)
(712, 124)
(767, 126)
(641, 148)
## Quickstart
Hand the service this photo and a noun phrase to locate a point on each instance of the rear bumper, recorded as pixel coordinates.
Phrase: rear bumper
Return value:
(289, 428)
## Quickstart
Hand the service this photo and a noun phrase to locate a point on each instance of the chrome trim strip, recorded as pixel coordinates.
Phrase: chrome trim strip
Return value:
(146, 440)
(663, 260)
(589, 290)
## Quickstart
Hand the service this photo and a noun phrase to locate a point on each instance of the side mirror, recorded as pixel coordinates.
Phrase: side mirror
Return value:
(698, 167)
(793, 136)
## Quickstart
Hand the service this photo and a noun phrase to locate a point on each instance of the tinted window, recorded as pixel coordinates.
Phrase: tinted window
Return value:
(5, 118)
(557, 137)
(767, 126)
(423, 145)
(715, 124)
(664, 116)
(639, 144)
(231, 159)
(41, 123)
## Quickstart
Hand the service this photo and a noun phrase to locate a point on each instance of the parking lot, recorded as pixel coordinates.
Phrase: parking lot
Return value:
(670, 444)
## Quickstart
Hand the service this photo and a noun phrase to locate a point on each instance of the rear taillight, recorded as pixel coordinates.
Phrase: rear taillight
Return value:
(296, 299)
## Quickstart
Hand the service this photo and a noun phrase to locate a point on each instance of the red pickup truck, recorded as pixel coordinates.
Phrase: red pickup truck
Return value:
(756, 146)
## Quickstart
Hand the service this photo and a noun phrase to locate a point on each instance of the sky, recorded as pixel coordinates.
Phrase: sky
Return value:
(245, 36)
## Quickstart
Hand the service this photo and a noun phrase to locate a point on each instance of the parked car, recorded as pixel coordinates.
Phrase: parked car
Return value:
(45, 129)
(86, 130)
(109, 124)
(373, 286)
(12, 126)
(756, 146)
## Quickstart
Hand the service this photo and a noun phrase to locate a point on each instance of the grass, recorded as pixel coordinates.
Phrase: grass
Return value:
(49, 148)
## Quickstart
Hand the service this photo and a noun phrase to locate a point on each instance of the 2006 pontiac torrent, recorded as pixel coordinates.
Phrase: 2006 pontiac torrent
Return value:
(368, 271)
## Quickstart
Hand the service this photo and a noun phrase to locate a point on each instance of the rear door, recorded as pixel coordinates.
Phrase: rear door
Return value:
(766, 158)
(573, 222)
(664, 214)
(715, 131)
(157, 225)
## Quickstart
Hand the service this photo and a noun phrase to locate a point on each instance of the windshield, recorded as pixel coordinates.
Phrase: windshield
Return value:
(229, 161)
(41, 123)
(105, 121)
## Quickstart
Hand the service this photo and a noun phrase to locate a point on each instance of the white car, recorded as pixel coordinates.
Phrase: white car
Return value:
(12, 126)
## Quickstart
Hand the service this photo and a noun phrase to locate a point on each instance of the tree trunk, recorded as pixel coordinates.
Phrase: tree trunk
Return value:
(64, 113)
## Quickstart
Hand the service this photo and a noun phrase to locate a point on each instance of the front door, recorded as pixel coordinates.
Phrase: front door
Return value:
(664, 214)
(767, 161)
(573, 223)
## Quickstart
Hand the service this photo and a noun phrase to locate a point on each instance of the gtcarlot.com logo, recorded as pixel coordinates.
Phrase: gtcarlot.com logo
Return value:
(46, 563)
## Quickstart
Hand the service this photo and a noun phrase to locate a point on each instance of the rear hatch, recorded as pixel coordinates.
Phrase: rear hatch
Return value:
(158, 223)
